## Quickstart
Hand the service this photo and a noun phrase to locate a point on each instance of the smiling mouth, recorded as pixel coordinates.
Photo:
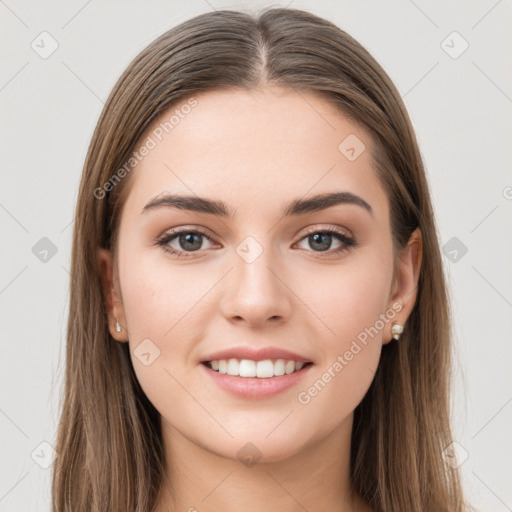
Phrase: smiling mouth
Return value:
(260, 369)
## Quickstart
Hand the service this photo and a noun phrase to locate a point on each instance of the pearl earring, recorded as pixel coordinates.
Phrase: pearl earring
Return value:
(118, 326)
(396, 330)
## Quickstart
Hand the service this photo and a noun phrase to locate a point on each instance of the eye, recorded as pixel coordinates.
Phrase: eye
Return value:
(188, 241)
(321, 240)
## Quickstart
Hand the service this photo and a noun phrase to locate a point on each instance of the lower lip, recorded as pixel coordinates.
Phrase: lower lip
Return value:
(254, 388)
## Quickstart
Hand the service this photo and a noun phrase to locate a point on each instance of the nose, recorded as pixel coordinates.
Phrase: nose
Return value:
(256, 292)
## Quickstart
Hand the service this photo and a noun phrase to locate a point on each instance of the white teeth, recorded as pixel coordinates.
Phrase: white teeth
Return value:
(261, 369)
(233, 367)
(289, 367)
(279, 367)
(265, 369)
(247, 368)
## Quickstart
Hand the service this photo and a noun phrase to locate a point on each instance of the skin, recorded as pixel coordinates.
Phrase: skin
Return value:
(256, 151)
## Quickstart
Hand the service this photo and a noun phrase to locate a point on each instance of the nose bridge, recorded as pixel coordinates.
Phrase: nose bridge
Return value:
(255, 291)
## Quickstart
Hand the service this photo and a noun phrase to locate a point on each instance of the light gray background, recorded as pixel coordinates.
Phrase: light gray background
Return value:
(460, 107)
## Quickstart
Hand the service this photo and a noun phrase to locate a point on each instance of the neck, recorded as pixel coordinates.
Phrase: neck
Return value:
(314, 478)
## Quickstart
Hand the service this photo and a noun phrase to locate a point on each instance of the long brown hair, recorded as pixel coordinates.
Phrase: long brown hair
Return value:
(109, 444)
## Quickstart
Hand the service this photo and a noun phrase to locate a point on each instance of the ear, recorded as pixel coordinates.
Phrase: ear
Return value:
(405, 287)
(111, 296)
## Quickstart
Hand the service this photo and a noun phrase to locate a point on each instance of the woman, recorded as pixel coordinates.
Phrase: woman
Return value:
(258, 315)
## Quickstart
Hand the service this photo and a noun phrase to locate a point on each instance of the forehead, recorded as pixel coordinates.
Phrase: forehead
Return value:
(255, 148)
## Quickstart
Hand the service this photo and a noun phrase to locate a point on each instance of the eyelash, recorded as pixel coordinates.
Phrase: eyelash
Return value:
(348, 243)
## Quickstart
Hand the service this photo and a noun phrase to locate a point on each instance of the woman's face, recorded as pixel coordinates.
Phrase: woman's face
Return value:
(261, 278)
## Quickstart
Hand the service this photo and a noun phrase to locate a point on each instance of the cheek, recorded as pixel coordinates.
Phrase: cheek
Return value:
(347, 300)
(157, 296)
(352, 307)
(160, 305)
(351, 354)
(166, 308)
(360, 302)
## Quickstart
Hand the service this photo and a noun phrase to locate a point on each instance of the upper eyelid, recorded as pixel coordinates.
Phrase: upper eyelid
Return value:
(178, 231)
(204, 231)
(337, 229)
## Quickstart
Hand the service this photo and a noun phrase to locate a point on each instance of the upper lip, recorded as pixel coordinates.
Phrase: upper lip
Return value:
(256, 354)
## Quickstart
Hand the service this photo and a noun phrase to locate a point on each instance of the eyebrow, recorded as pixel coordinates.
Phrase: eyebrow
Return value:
(220, 209)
